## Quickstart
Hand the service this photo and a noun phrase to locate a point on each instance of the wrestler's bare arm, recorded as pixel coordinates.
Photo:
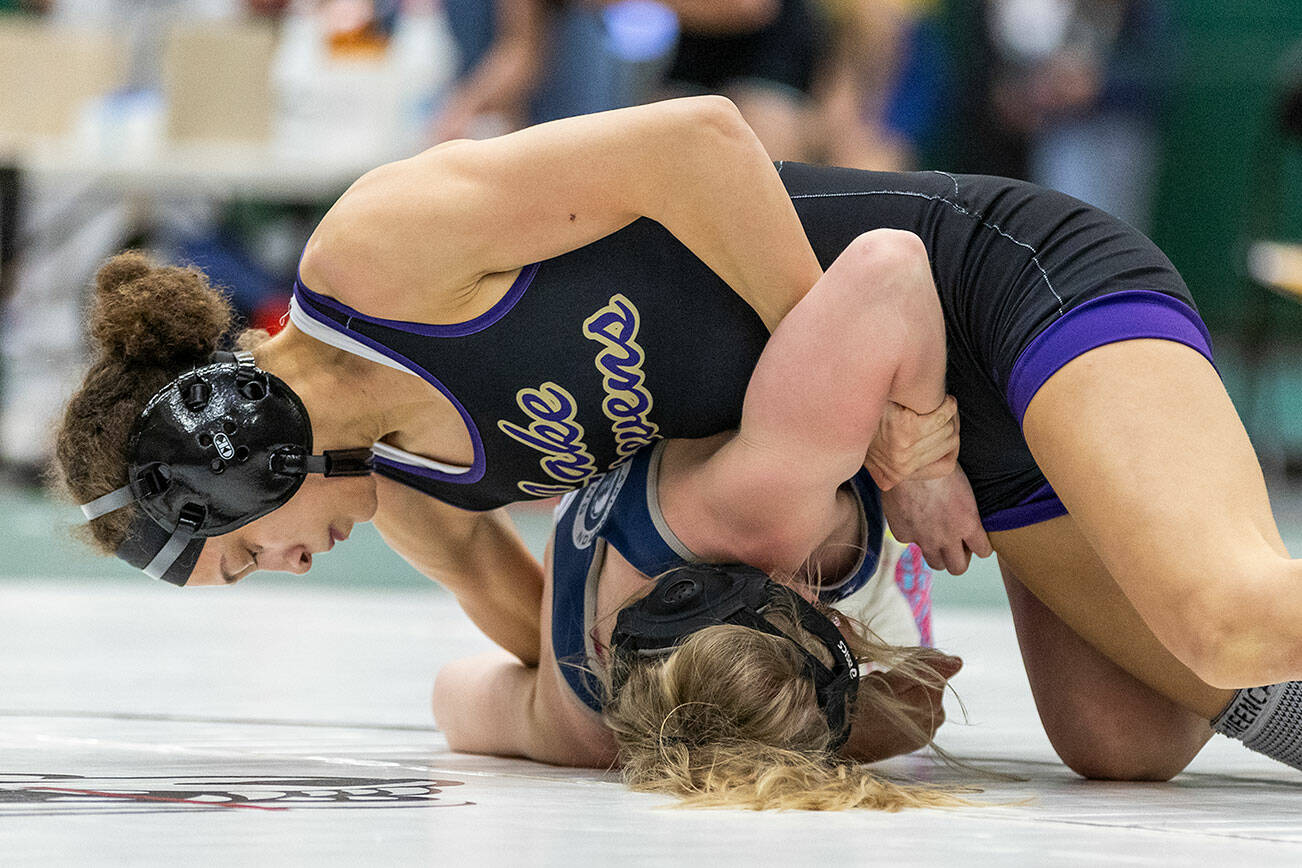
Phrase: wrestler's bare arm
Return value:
(412, 239)
(478, 556)
(870, 331)
(494, 704)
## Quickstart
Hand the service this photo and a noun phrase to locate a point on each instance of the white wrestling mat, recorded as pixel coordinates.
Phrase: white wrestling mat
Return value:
(274, 726)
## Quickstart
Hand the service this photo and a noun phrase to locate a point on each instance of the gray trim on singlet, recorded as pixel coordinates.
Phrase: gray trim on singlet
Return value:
(332, 337)
(653, 506)
(590, 601)
(863, 548)
(671, 539)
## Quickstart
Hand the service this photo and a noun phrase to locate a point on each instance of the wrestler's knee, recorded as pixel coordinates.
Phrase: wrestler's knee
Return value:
(1121, 747)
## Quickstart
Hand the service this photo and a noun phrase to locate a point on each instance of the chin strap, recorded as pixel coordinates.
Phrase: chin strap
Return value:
(186, 528)
(107, 503)
(331, 462)
(167, 554)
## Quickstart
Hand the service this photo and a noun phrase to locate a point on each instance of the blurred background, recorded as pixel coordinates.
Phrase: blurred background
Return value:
(218, 131)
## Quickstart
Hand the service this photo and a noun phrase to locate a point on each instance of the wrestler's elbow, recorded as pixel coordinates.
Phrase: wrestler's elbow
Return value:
(712, 113)
(776, 541)
(710, 133)
(894, 267)
(446, 705)
(885, 253)
(890, 246)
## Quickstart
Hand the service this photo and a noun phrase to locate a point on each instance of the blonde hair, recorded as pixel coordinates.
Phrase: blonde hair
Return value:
(730, 719)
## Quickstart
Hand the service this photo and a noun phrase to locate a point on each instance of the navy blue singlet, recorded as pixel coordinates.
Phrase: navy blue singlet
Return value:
(622, 509)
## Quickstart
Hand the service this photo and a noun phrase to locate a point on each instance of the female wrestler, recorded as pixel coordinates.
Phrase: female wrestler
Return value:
(730, 711)
(715, 683)
(552, 334)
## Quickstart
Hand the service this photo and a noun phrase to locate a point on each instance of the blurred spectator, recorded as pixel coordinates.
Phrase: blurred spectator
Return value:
(882, 83)
(760, 53)
(68, 227)
(270, 8)
(354, 82)
(1078, 86)
(503, 44)
(763, 57)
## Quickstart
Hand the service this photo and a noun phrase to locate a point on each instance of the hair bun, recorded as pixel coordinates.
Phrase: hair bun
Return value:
(156, 315)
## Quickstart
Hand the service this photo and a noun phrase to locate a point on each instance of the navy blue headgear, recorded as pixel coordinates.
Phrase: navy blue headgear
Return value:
(213, 450)
(697, 596)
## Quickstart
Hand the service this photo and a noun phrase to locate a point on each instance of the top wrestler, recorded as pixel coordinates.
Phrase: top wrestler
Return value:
(552, 333)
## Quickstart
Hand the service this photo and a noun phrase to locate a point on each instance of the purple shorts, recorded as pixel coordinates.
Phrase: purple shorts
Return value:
(1119, 316)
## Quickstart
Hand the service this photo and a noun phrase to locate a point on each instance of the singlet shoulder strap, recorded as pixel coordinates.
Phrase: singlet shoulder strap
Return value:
(327, 331)
(575, 573)
(632, 520)
(330, 322)
(312, 322)
(872, 527)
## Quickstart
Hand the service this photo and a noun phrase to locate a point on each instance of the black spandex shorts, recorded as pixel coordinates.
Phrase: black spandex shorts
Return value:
(780, 56)
(1028, 278)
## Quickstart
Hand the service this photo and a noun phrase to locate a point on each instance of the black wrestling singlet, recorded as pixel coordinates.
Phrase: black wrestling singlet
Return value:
(600, 351)
(588, 357)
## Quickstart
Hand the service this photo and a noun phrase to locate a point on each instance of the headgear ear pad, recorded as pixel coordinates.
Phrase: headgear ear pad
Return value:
(217, 441)
(686, 600)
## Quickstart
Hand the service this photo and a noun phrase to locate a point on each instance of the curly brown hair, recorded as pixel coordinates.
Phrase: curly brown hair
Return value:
(148, 323)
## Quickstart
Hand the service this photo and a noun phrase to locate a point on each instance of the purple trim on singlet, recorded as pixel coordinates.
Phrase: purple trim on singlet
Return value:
(1119, 316)
(306, 299)
(454, 330)
(1042, 505)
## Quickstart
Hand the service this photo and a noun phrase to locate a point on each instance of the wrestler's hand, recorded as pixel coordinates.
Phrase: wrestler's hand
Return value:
(940, 515)
(911, 445)
(924, 707)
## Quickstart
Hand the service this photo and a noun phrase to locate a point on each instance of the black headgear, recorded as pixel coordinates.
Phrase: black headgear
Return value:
(694, 597)
(213, 450)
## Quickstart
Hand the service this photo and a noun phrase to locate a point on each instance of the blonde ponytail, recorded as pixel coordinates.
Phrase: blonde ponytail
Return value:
(730, 719)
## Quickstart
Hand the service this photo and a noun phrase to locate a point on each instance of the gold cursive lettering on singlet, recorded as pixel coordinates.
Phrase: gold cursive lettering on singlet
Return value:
(554, 432)
(553, 429)
(628, 403)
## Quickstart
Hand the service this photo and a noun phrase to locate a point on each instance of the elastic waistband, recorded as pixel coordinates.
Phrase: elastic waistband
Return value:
(1042, 505)
(1120, 316)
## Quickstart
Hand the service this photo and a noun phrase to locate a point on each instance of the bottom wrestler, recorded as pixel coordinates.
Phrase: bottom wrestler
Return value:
(716, 683)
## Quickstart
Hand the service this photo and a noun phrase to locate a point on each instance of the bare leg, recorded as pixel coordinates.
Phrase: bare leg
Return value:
(1143, 446)
(1103, 721)
(1053, 561)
